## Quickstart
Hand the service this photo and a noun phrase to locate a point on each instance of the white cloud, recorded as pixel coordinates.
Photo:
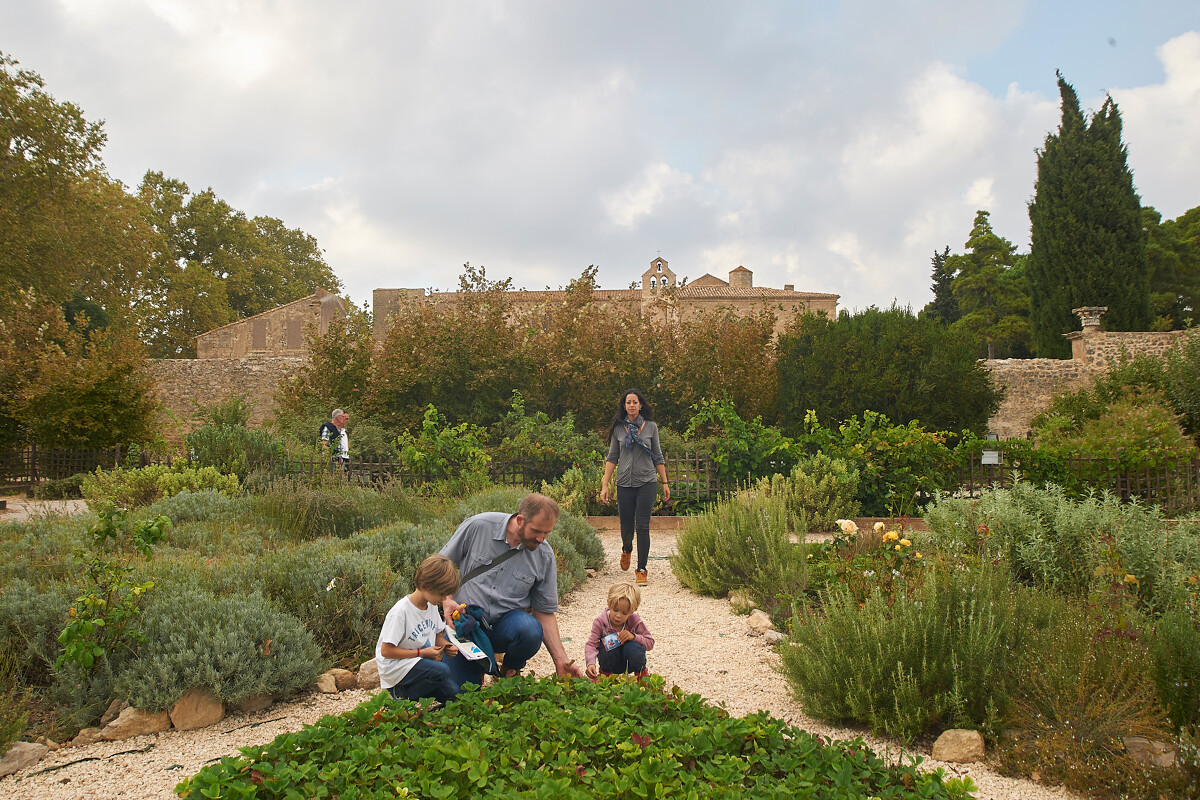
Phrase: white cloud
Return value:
(1162, 129)
(644, 195)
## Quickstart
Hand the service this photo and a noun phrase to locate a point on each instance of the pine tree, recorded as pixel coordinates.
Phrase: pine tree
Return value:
(944, 306)
(1088, 246)
(991, 296)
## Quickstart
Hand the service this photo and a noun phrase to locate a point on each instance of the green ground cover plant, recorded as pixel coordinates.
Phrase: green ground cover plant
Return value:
(139, 487)
(555, 738)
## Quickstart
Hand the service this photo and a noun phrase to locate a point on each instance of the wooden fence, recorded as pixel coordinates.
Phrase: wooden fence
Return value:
(1173, 483)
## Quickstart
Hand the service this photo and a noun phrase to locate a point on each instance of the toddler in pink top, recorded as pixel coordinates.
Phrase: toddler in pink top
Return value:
(619, 639)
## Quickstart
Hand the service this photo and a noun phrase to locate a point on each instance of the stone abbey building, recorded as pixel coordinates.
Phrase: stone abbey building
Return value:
(660, 296)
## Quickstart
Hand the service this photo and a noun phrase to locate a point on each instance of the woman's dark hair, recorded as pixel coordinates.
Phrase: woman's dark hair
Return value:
(619, 417)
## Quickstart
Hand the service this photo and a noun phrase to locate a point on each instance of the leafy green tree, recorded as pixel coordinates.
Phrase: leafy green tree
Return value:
(69, 386)
(993, 302)
(461, 356)
(1173, 253)
(338, 373)
(215, 266)
(888, 361)
(720, 355)
(1088, 245)
(944, 305)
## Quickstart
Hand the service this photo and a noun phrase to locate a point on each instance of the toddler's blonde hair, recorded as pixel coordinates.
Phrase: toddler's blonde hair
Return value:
(624, 591)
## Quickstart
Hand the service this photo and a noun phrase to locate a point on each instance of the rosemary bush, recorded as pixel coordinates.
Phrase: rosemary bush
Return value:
(946, 658)
(743, 542)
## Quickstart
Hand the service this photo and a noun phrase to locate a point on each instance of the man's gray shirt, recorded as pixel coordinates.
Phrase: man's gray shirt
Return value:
(527, 580)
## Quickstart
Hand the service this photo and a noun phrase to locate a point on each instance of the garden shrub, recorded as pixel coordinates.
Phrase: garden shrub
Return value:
(742, 450)
(41, 547)
(341, 595)
(235, 646)
(1050, 540)
(822, 490)
(233, 449)
(31, 618)
(69, 487)
(578, 490)
(743, 542)
(191, 506)
(899, 465)
(562, 739)
(1183, 372)
(402, 546)
(301, 512)
(135, 488)
(568, 563)
(497, 498)
(442, 450)
(1175, 647)
(13, 713)
(1082, 693)
(946, 658)
(582, 538)
(544, 447)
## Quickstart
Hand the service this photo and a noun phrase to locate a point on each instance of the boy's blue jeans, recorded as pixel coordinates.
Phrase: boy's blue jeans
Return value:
(515, 633)
(427, 678)
(628, 657)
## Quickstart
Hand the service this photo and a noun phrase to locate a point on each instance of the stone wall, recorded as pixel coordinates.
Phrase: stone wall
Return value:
(1030, 383)
(282, 331)
(186, 382)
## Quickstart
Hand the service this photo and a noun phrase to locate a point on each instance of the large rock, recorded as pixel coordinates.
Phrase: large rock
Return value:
(344, 679)
(20, 756)
(1149, 752)
(114, 708)
(134, 722)
(368, 675)
(959, 746)
(198, 708)
(85, 737)
(326, 684)
(255, 702)
(759, 622)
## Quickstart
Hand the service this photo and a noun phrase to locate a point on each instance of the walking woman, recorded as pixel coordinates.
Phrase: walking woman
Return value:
(634, 451)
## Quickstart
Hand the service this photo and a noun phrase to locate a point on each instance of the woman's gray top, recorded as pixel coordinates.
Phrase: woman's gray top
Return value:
(635, 466)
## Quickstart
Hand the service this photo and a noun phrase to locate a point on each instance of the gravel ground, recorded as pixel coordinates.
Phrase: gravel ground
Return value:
(700, 645)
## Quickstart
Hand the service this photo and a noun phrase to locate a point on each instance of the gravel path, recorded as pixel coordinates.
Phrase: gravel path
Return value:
(699, 645)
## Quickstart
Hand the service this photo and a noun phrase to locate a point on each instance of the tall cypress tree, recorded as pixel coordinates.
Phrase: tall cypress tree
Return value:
(1088, 247)
(944, 306)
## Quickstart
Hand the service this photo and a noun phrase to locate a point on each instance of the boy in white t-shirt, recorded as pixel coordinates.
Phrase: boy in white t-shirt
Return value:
(414, 636)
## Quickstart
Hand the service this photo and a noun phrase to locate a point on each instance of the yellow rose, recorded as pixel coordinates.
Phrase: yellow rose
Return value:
(878, 526)
(905, 542)
(891, 536)
(918, 555)
(897, 547)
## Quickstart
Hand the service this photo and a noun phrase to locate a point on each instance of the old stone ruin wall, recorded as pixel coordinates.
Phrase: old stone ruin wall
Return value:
(1031, 383)
(185, 383)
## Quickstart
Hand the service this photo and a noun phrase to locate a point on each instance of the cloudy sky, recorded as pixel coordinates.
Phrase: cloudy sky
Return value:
(831, 145)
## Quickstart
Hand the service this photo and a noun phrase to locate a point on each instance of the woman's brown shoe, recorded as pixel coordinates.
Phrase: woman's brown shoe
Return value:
(640, 577)
(625, 560)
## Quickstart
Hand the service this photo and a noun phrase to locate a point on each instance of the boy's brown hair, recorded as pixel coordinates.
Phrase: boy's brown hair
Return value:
(437, 574)
(624, 591)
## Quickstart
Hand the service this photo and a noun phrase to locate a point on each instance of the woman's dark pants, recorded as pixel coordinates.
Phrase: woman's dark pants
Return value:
(634, 504)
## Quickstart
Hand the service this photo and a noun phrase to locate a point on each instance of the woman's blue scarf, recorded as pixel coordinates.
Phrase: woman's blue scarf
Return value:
(631, 435)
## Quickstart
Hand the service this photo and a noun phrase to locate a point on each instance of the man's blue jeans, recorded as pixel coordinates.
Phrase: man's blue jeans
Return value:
(515, 633)
(629, 657)
(427, 678)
